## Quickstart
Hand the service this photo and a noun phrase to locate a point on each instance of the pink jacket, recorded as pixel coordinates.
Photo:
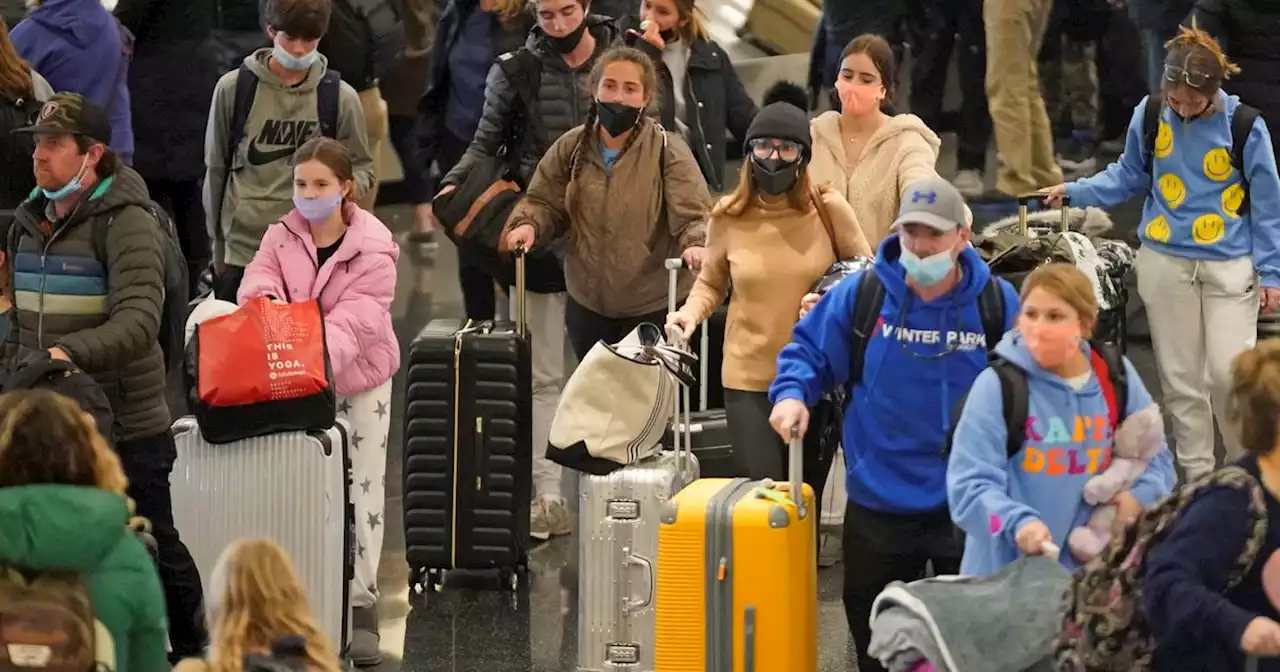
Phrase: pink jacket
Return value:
(355, 288)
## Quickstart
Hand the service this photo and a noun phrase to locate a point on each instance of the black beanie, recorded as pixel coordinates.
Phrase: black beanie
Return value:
(782, 118)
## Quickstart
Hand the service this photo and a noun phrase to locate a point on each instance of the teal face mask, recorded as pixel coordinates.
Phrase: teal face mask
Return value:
(290, 62)
(69, 188)
(928, 271)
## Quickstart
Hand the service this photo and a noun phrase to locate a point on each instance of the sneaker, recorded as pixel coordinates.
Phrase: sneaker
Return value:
(830, 548)
(968, 183)
(538, 524)
(366, 646)
(558, 518)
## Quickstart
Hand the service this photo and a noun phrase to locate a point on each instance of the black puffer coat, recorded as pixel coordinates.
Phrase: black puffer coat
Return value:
(1248, 30)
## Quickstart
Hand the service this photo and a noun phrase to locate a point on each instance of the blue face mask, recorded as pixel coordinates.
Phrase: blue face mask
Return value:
(70, 188)
(290, 62)
(928, 271)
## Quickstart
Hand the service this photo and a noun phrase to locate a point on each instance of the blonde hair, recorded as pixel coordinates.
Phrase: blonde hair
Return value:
(255, 599)
(743, 196)
(509, 10)
(692, 28)
(46, 438)
(1069, 284)
(1253, 402)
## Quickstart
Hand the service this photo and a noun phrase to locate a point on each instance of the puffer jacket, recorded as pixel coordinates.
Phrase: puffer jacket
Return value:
(105, 313)
(1248, 29)
(715, 102)
(354, 288)
(621, 226)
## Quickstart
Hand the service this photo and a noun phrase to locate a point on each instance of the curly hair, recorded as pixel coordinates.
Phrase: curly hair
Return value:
(45, 438)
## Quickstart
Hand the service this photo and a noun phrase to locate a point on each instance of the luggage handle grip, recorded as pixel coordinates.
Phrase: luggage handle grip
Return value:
(522, 328)
(1024, 200)
(768, 489)
(673, 266)
(630, 559)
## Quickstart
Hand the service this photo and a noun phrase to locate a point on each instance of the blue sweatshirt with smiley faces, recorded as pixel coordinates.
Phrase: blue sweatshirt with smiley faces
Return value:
(1193, 207)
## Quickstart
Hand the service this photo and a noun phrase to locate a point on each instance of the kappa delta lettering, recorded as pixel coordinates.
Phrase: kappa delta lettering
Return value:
(1083, 445)
(956, 341)
(279, 139)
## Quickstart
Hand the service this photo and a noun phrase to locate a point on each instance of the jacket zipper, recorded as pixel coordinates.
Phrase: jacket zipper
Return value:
(44, 254)
(697, 118)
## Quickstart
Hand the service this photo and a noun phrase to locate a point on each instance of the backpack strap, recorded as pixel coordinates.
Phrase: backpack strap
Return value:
(868, 301)
(1108, 364)
(1150, 129)
(1242, 121)
(245, 91)
(1015, 402)
(991, 311)
(524, 74)
(815, 196)
(328, 103)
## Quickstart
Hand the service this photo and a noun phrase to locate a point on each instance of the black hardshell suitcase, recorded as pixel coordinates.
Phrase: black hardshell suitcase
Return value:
(468, 447)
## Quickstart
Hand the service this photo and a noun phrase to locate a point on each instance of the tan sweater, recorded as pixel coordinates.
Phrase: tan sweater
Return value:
(772, 254)
(902, 151)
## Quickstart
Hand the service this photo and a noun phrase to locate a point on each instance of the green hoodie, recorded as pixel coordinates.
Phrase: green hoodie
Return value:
(83, 529)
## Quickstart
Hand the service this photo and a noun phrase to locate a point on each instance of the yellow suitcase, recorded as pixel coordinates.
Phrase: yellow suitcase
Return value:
(737, 577)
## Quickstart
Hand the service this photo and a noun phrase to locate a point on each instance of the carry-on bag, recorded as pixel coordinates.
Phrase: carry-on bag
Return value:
(468, 447)
(292, 488)
(708, 428)
(738, 575)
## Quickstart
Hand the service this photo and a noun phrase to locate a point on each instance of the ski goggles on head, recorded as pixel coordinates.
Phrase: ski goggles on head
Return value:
(1174, 74)
(768, 148)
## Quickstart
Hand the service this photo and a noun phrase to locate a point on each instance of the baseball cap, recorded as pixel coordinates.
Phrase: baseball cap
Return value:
(71, 113)
(931, 201)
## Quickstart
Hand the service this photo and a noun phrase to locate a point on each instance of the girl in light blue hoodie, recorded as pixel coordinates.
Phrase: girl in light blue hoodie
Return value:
(1022, 504)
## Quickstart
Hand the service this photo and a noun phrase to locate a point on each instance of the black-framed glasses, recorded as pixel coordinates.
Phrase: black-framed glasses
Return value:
(766, 148)
(1196, 80)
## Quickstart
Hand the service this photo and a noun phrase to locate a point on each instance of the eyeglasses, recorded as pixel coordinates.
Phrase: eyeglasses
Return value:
(1195, 80)
(765, 148)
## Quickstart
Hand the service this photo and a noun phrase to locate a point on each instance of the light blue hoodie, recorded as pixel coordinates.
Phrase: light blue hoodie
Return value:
(1068, 441)
(1193, 200)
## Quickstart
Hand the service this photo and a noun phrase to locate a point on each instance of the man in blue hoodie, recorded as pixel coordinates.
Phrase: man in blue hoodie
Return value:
(80, 48)
(928, 344)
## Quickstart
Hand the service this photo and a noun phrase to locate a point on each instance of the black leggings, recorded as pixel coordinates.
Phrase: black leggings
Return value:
(587, 327)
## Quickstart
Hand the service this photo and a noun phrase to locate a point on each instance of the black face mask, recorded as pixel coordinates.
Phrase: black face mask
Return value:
(669, 36)
(774, 177)
(569, 42)
(617, 118)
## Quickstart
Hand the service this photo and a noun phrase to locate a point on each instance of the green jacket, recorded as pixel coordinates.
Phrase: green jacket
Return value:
(83, 529)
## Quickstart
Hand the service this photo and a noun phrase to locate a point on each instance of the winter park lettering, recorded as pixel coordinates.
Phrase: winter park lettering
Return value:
(962, 340)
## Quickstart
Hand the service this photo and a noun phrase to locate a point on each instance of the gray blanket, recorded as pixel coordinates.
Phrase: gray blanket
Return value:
(1005, 622)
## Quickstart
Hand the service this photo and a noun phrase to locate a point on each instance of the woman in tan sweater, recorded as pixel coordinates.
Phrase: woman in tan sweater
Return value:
(771, 239)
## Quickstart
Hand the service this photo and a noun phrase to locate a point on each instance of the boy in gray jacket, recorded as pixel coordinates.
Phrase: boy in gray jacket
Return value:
(279, 98)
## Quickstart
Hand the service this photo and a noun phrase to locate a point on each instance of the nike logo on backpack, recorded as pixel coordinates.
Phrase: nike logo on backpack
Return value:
(285, 134)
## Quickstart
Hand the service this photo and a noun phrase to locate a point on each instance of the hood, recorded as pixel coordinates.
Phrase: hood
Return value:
(60, 526)
(1013, 348)
(974, 276)
(257, 62)
(79, 22)
(601, 27)
(827, 128)
(366, 234)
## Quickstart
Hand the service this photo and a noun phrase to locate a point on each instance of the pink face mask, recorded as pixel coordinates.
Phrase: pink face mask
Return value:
(1051, 345)
(858, 99)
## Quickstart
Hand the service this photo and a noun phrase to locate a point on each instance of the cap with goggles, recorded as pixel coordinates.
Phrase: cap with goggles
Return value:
(1195, 66)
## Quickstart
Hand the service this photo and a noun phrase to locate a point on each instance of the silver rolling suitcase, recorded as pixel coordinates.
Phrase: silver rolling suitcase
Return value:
(291, 488)
(619, 516)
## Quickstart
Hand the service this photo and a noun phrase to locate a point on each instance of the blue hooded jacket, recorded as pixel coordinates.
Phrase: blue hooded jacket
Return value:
(1068, 441)
(76, 45)
(919, 362)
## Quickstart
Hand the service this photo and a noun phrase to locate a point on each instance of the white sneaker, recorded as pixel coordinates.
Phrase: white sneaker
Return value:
(539, 527)
(969, 183)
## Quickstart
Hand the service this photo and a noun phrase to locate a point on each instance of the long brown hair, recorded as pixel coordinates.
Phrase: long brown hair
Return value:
(15, 73)
(1253, 402)
(45, 438)
(744, 195)
(691, 27)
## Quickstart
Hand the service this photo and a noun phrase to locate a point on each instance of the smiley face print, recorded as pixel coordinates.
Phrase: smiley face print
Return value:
(1232, 199)
(1164, 140)
(1217, 165)
(1208, 229)
(1158, 230)
(1172, 189)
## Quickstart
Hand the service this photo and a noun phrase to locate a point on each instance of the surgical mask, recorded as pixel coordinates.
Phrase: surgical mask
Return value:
(858, 99)
(569, 42)
(927, 271)
(290, 62)
(317, 210)
(617, 118)
(1051, 344)
(70, 188)
(774, 177)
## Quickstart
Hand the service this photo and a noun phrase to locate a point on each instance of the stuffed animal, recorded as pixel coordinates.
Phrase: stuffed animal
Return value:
(1135, 442)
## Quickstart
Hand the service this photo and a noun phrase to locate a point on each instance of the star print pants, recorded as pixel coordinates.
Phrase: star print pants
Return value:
(369, 415)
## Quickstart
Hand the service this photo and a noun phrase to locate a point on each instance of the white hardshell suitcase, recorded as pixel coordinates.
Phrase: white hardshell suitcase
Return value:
(292, 488)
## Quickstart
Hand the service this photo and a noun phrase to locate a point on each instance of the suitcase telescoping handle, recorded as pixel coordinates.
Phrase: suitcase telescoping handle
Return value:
(674, 265)
(522, 324)
(795, 471)
(1025, 200)
(681, 427)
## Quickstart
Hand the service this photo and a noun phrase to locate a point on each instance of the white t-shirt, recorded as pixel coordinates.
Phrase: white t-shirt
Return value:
(676, 57)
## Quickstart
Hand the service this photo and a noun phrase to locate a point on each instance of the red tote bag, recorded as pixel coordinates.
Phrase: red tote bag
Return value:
(260, 370)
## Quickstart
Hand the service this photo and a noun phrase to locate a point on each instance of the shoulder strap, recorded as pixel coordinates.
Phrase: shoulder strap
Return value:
(524, 74)
(1108, 365)
(1242, 121)
(246, 89)
(1015, 402)
(866, 313)
(991, 311)
(816, 197)
(1150, 128)
(328, 103)
(24, 377)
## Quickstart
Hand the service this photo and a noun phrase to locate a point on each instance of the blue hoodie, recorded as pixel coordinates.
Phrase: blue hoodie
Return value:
(918, 364)
(1068, 441)
(1192, 207)
(76, 45)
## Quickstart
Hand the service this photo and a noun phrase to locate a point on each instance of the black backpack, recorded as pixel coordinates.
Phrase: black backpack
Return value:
(15, 151)
(36, 370)
(364, 40)
(1242, 121)
(1015, 394)
(177, 282)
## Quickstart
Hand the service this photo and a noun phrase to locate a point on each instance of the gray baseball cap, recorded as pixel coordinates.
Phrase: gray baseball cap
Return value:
(931, 201)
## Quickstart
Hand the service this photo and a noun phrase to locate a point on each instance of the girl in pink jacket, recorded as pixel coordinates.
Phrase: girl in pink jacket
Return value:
(329, 249)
